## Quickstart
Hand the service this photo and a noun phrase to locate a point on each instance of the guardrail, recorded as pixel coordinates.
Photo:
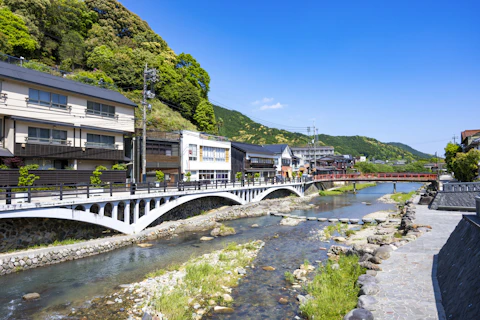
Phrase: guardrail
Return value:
(461, 186)
(64, 191)
(377, 176)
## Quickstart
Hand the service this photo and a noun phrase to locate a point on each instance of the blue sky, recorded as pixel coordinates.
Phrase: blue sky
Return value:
(402, 71)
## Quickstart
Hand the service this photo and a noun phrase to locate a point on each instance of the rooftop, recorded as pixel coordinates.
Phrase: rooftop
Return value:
(251, 148)
(10, 71)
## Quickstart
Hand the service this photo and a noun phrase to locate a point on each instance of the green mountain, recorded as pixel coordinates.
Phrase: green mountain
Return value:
(417, 153)
(239, 127)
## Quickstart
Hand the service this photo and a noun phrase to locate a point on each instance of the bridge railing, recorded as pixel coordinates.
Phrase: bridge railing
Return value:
(376, 176)
(69, 191)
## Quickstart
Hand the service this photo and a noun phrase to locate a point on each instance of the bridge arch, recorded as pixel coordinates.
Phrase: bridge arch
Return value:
(268, 191)
(156, 213)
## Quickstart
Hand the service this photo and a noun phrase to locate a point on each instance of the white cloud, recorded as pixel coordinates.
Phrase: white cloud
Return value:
(264, 100)
(277, 105)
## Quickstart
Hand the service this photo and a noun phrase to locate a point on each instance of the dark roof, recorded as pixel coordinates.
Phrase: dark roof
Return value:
(252, 148)
(47, 80)
(276, 148)
(5, 153)
(468, 133)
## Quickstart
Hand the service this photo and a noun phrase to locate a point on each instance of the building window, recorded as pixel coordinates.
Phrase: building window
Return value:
(47, 99)
(261, 160)
(100, 141)
(192, 152)
(222, 175)
(285, 162)
(50, 136)
(220, 154)
(159, 148)
(208, 154)
(100, 109)
(206, 175)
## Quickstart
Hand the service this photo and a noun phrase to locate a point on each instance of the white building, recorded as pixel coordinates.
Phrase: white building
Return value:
(205, 156)
(283, 160)
(310, 153)
(58, 123)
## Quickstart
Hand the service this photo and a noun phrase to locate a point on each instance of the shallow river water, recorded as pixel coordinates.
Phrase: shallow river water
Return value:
(69, 285)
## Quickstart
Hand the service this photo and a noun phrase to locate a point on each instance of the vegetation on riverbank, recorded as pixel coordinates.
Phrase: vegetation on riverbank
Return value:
(333, 290)
(55, 243)
(344, 189)
(402, 197)
(204, 282)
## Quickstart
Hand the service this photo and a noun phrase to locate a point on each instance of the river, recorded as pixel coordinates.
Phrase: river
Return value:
(72, 284)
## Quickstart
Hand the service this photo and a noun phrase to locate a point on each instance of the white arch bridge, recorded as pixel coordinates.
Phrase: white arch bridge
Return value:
(129, 213)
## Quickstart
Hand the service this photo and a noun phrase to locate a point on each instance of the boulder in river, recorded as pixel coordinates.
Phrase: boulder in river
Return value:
(144, 245)
(291, 221)
(367, 302)
(220, 309)
(31, 296)
(206, 238)
(268, 268)
(359, 314)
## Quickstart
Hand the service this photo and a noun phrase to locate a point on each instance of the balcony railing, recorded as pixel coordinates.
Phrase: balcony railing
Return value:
(100, 145)
(47, 141)
(48, 104)
(101, 114)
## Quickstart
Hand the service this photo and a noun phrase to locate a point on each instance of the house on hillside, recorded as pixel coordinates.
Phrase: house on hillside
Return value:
(283, 158)
(335, 164)
(58, 123)
(470, 139)
(205, 157)
(251, 158)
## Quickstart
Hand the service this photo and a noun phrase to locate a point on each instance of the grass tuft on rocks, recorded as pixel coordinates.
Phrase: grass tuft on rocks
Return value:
(334, 291)
(338, 191)
(402, 197)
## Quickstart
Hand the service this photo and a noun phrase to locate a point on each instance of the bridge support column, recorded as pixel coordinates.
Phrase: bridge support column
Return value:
(157, 202)
(354, 187)
(147, 206)
(101, 209)
(126, 215)
(136, 212)
(395, 187)
(114, 210)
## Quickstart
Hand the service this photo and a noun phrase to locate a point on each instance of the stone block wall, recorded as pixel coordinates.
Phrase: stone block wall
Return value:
(458, 270)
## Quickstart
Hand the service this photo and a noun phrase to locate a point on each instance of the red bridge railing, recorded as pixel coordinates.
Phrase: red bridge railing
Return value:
(377, 177)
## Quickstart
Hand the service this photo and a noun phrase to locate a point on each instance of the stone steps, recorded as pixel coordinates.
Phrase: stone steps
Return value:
(334, 220)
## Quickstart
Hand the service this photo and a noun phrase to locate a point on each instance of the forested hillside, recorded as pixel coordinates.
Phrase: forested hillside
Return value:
(411, 150)
(101, 39)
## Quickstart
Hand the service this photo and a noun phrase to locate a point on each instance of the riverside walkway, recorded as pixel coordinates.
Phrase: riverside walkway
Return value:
(408, 284)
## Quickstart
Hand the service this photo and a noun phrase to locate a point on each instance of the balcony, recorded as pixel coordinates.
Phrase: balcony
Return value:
(101, 114)
(100, 145)
(49, 105)
(258, 165)
(47, 141)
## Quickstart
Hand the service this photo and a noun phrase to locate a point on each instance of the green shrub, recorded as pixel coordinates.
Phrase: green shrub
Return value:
(289, 277)
(188, 175)
(26, 178)
(119, 166)
(333, 290)
(160, 176)
(95, 178)
(238, 176)
(3, 167)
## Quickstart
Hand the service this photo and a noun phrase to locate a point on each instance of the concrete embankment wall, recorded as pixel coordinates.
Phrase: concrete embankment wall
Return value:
(458, 270)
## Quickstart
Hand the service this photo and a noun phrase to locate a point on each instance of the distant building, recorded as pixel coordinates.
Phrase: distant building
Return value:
(206, 157)
(310, 153)
(470, 139)
(335, 164)
(283, 158)
(58, 123)
(251, 158)
(400, 163)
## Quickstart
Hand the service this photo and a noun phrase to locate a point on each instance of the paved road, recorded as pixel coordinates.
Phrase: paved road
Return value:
(408, 286)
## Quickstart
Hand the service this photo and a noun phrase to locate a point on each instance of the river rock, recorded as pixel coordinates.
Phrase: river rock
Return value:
(344, 220)
(300, 274)
(303, 299)
(370, 289)
(206, 238)
(383, 252)
(336, 250)
(339, 239)
(144, 245)
(227, 298)
(322, 219)
(283, 300)
(365, 278)
(354, 221)
(254, 225)
(385, 239)
(31, 296)
(146, 316)
(370, 266)
(361, 249)
(359, 314)
(291, 221)
(220, 309)
(332, 220)
(367, 302)
(241, 271)
(372, 273)
(109, 302)
(268, 268)
(365, 257)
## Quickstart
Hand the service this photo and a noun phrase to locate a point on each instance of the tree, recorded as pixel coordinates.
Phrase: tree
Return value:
(191, 70)
(465, 165)
(160, 176)
(14, 35)
(188, 175)
(71, 49)
(205, 117)
(95, 178)
(256, 175)
(451, 151)
(238, 176)
(25, 178)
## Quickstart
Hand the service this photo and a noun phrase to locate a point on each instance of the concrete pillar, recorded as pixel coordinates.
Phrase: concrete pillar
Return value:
(354, 187)
(157, 202)
(167, 199)
(87, 207)
(136, 212)
(147, 206)
(126, 214)
(394, 187)
(101, 209)
(114, 210)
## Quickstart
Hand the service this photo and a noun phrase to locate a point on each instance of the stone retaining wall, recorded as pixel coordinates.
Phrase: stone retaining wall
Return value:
(27, 232)
(458, 270)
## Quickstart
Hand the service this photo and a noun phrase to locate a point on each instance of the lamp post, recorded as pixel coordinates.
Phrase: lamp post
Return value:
(148, 75)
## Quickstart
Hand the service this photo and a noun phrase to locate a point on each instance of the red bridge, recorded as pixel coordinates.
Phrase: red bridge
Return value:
(407, 177)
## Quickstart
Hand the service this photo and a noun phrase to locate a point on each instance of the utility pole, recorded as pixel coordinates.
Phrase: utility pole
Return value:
(148, 75)
(454, 139)
(308, 154)
(314, 145)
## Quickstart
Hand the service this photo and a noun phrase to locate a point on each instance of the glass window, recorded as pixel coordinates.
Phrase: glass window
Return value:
(208, 153)
(192, 152)
(100, 109)
(206, 175)
(47, 99)
(46, 135)
(220, 155)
